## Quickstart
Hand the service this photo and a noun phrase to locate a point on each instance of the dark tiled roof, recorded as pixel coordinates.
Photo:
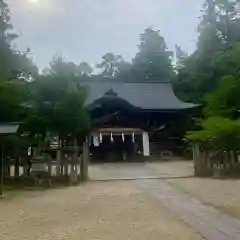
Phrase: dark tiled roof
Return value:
(148, 96)
(8, 128)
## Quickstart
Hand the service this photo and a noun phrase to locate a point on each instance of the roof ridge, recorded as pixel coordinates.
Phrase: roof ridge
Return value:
(108, 80)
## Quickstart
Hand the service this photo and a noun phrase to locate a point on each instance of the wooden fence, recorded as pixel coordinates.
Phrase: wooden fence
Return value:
(71, 165)
(215, 163)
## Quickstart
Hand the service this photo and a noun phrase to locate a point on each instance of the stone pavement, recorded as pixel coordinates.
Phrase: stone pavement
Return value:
(205, 220)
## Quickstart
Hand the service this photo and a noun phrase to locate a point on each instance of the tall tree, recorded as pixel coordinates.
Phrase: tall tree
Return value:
(228, 19)
(57, 106)
(111, 65)
(85, 69)
(6, 37)
(217, 34)
(13, 63)
(220, 22)
(225, 101)
(209, 40)
(58, 66)
(181, 57)
(153, 60)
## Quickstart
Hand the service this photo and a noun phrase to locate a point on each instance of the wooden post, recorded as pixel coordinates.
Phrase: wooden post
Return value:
(58, 162)
(16, 168)
(146, 147)
(66, 165)
(73, 175)
(196, 158)
(2, 172)
(25, 169)
(85, 162)
(7, 169)
(49, 163)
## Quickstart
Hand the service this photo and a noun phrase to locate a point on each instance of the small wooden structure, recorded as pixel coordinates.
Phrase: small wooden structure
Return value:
(5, 130)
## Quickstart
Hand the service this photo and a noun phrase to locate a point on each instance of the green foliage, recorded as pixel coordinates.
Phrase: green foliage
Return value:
(218, 133)
(58, 66)
(225, 101)
(217, 53)
(70, 117)
(85, 69)
(112, 65)
(14, 64)
(154, 60)
(57, 106)
(51, 102)
(12, 96)
(226, 62)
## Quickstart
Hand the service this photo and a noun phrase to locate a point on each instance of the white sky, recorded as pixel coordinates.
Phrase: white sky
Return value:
(83, 30)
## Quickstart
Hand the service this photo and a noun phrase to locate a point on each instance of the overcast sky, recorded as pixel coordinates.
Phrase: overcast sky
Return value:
(83, 30)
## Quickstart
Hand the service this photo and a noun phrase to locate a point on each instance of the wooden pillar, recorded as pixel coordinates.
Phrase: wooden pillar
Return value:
(66, 165)
(85, 162)
(25, 169)
(73, 174)
(58, 162)
(49, 161)
(196, 158)
(16, 168)
(146, 147)
(7, 169)
(1, 171)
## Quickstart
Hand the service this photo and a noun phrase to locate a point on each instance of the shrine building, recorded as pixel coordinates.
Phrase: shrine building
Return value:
(133, 120)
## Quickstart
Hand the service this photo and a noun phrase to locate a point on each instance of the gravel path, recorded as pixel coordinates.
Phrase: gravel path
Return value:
(95, 211)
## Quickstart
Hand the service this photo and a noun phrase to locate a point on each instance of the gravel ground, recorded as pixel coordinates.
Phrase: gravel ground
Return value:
(94, 211)
(111, 171)
(175, 169)
(137, 209)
